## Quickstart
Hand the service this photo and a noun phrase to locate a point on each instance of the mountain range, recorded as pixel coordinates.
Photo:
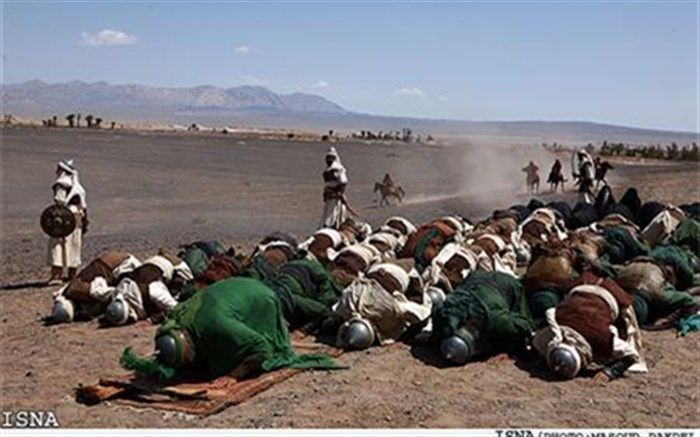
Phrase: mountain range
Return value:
(260, 107)
(101, 96)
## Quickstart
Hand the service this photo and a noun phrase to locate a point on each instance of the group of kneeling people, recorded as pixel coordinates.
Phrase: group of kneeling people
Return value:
(575, 286)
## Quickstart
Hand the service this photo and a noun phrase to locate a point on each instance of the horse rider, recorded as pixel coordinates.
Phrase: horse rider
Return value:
(65, 252)
(533, 177)
(556, 176)
(335, 179)
(388, 182)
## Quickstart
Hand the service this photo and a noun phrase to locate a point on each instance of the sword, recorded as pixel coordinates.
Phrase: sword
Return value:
(347, 205)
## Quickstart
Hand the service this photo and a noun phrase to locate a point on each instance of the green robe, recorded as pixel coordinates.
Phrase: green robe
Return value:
(305, 288)
(198, 255)
(662, 304)
(680, 260)
(493, 304)
(312, 288)
(621, 246)
(235, 321)
(687, 234)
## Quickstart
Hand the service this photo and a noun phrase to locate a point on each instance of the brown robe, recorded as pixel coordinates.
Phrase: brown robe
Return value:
(78, 289)
(589, 315)
(445, 232)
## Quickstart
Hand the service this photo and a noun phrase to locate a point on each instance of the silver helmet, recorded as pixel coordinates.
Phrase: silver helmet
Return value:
(62, 311)
(458, 348)
(437, 296)
(565, 361)
(175, 349)
(117, 312)
(356, 334)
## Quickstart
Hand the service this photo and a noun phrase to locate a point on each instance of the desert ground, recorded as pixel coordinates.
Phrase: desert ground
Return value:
(151, 189)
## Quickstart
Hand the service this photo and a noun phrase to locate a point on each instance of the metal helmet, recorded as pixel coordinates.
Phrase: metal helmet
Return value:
(437, 296)
(522, 256)
(356, 334)
(62, 311)
(175, 349)
(565, 361)
(117, 312)
(457, 349)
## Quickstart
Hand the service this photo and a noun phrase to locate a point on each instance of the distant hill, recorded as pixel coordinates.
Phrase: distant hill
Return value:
(258, 106)
(101, 96)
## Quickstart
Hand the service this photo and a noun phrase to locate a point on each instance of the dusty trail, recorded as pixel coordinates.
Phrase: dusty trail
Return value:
(151, 189)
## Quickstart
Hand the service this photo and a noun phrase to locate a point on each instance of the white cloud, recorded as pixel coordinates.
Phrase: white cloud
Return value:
(242, 50)
(108, 37)
(322, 84)
(409, 91)
(442, 98)
(249, 79)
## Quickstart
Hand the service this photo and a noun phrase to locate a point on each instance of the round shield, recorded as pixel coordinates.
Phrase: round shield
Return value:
(58, 221)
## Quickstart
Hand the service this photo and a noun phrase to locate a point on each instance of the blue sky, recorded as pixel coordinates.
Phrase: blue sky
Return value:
(619, 62)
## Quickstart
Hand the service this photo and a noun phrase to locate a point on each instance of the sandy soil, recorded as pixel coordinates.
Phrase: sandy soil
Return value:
(151, 189)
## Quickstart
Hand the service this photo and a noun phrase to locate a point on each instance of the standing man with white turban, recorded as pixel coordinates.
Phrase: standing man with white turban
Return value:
(65, 252)
(583, 170)
(335, 179)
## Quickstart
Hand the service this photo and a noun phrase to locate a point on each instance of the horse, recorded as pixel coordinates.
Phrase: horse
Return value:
(389, 191)
(533, 183)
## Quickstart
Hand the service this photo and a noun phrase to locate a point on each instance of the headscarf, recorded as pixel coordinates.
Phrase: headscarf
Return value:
(555, 335)
(332, 152)
(337, 166)
(68, 178)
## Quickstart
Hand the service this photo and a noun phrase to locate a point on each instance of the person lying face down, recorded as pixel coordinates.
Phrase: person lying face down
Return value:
(352, 261)
(277, 249)
(305, 289)
(382, 305)
(454, 263)
(210, 261)
(485, 314)
(426, 242)
(322, 243)
(543, 225)
(593, 326)
(386, 242)
(399, 227)
(657, 303)
(89, 293)
(233, 327)
(149, 290)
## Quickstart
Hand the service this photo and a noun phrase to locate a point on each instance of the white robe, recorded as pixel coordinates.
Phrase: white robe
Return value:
(334, 210)
(66, 252)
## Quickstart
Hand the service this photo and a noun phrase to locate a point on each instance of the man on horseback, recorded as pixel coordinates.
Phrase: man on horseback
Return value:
(556, 176)
(335, 179)
(388, 182)
(533, 178)
(388, 188)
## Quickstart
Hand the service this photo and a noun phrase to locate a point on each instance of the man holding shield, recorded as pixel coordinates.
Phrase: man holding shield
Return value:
(64, 252)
